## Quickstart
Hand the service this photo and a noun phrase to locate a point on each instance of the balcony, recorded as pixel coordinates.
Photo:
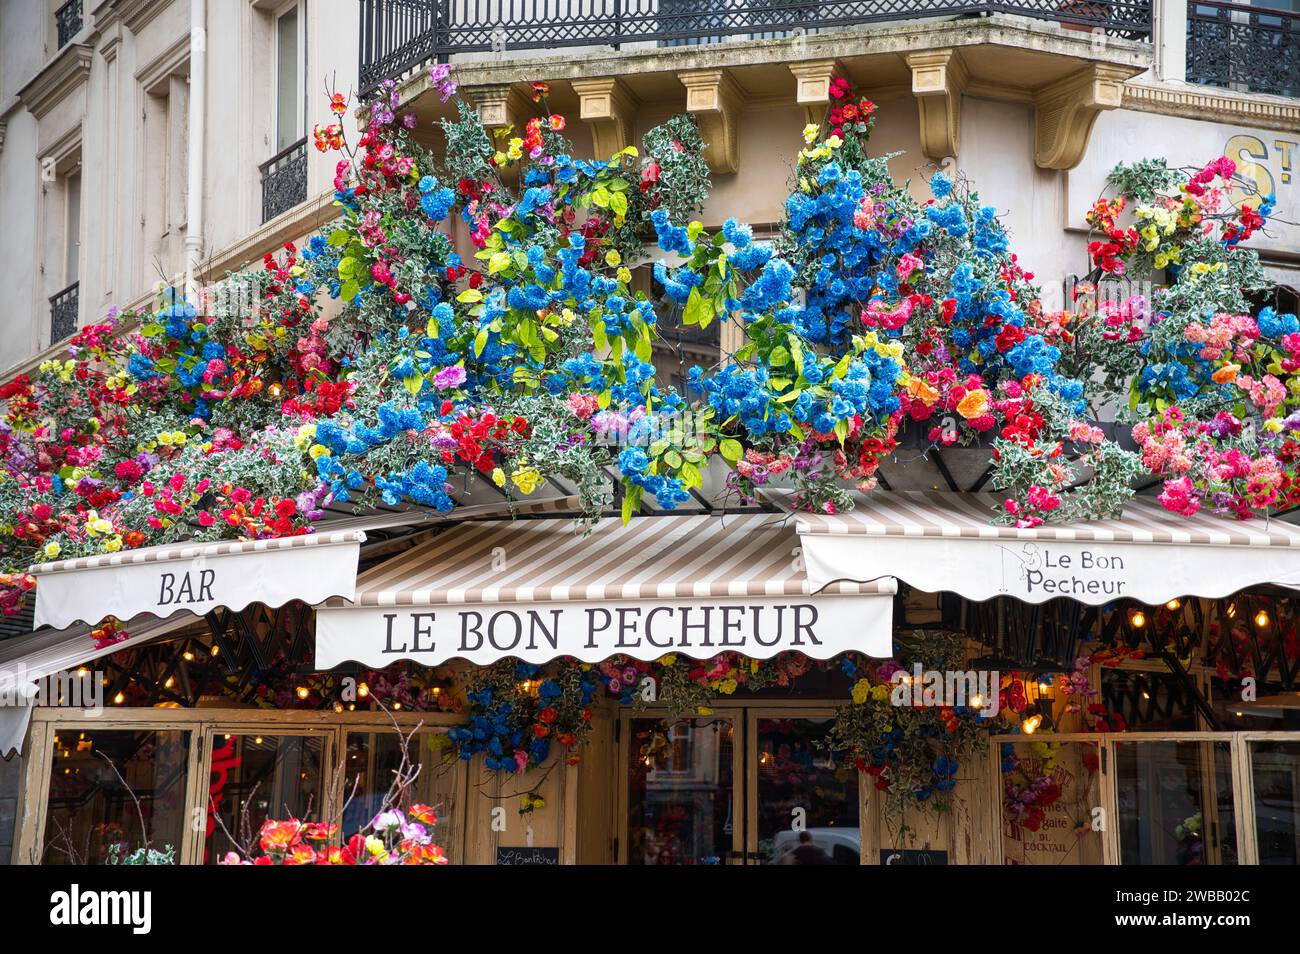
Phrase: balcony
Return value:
(68, 20)
(284, 180)
(1247, 49)
(63, 313)
(400, 35)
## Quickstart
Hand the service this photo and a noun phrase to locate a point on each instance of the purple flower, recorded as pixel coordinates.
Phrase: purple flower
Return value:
(439, 75)
(449, 377)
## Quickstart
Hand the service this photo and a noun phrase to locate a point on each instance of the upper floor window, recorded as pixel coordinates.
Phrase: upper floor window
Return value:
(289, 92)
(68, 21)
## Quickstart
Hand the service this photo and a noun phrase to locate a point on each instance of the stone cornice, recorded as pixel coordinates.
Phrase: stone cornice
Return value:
(1208, 104)
(64, 74)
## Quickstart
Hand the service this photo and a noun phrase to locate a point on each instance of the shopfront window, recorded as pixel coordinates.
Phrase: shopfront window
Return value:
(807, 796)
(1175, 803)
(256, 777)
(1050, 792)
(371, 762)
(1275, 768)
(113, 792)
(681, 794)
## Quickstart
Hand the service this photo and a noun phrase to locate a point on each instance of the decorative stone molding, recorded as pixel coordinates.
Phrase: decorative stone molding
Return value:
(1064, 112)
(498, 105)
(812, 88)
(1206, 103)
(938, 80)
(62, 77)
(714, 99)
(608, 107)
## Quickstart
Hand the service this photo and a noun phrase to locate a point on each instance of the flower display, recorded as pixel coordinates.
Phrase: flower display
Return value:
(382, 360)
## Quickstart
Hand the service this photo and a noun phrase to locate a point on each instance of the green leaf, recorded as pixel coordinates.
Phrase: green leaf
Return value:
(631, 500)
(673, 459)
(480, 341)
(841, 431)
(730, 449)
(499, 262)
(618, 203)
(413, 383)
(779, 357)
(339, 237)
(349, 290)
(469, 295)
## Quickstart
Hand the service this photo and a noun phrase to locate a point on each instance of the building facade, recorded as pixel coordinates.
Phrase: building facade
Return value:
(145, 142)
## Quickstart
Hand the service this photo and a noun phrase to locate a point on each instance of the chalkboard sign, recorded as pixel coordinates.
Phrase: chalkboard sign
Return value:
(912, 856)
(528, 856)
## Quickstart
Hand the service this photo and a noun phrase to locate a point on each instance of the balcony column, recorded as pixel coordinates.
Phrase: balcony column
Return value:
(499, 108)
(1169, 37)
(813, 87)
(938, 79)
(608, 107)
(714, 99)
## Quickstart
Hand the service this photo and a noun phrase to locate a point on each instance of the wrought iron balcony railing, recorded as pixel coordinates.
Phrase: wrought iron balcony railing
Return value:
(399, 35)
(68, 20)
(1251, 49)
(284, 180)
(63, 313)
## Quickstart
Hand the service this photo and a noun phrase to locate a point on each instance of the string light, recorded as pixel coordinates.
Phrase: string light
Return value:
(303, 692)
(363, 690)
(1261, 619)
(1173, 604)
(1137, 619)
(171, 681)
(187, 656)
(119, 699)
(1030, 725)
(977, 701)
(215, 649)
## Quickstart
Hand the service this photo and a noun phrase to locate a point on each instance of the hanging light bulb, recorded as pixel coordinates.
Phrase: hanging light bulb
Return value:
(1173, 604)
(215, 649)
(303, 692)
(119, 699)
(976, 701)
(187, 656)
(1137, 619)
(1030, 725)
(1261, 619)
(363, 690)
(171, 681)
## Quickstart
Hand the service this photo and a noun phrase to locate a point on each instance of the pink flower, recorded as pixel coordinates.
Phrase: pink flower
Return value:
(449, 377)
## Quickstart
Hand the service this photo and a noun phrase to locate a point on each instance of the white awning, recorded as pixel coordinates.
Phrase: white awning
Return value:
(196, 578)
(946, 543)
(537, 590)
(26, 659)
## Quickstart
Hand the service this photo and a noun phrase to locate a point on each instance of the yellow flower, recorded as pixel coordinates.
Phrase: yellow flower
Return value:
(810, 133)
(612, 258)
(113, 544)
(834, 142)
(861, 691)
(879, 693)
(667, 660)
(527, 479)
(318, 450)
(704, 710)
(727, 686)
(52, 550)
(499, 477)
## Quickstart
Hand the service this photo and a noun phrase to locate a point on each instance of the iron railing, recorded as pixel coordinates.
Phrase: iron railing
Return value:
(1251, 49)
(284, 180)
(63, 313)
(399, 35)
(68, 20)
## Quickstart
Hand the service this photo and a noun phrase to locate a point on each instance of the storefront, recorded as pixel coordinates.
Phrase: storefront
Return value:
(1142, 717)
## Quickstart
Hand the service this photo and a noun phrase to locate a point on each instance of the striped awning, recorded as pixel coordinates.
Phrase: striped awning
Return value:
(943, 542)
(197, 577)
(538, 589)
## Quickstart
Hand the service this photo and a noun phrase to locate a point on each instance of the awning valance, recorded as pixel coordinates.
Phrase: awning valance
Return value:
(536, 590)
(940, 542)
(197, 578)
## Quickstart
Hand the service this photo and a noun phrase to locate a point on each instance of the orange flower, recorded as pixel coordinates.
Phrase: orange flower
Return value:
(422, 813)
(1226, 374)
(279, 835)
(922, 390)
(974, 404)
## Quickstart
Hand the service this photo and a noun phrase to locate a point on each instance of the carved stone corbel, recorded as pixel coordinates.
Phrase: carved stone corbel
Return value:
(714, 99)
(608, 107)
(1064, 112)
(938, 79)
(812, 88)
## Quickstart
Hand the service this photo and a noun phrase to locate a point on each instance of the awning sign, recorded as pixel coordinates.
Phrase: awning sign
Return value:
(196, 579)
(819, 626)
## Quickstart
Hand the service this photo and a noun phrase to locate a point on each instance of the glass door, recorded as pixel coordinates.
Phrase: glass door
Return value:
(803, 797)
(681, 794)
(745, 786)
